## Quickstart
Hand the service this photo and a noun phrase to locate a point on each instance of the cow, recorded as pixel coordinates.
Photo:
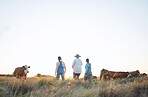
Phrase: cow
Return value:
(105, 74)
(134, 73)
(21, 72)
(94, 77)
(143, 75)
(120, 75)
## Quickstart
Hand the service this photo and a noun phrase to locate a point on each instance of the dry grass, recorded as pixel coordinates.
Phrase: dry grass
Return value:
(48, 87)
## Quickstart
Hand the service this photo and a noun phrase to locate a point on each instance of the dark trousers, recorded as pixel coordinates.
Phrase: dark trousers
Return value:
(76, 75)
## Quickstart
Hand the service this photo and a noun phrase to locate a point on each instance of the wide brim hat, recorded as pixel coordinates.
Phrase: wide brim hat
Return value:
(77, 56)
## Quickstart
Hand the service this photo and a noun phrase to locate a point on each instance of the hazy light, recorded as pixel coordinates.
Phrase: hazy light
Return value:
(112, 34)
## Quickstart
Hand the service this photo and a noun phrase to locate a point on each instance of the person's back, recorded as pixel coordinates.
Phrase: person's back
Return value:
(77, 69)
(77, 65)
(60, 69)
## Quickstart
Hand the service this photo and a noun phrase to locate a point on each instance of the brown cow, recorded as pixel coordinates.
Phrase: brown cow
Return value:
(120, 75)
(21, 72)
(143, 75)
(134, 73)
(94, 77)
(105, 74)
(112, 73)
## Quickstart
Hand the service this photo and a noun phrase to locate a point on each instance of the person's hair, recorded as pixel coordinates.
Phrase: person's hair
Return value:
(59, 58)
(87, 60)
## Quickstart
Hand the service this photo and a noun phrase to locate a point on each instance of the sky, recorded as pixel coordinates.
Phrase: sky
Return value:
(113, 34)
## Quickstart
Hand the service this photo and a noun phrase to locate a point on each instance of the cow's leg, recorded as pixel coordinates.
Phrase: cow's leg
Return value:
(25, 76)
(105, 77)
(109, 78)
(17, 76)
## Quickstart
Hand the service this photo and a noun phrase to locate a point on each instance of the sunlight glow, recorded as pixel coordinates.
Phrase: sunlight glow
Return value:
(112, 34)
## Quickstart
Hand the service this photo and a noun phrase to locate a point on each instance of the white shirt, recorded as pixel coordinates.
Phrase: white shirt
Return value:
(77, 63)
(58, 64)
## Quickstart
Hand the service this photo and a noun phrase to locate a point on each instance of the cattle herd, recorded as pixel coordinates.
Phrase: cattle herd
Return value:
(107, 75)
(21, 72)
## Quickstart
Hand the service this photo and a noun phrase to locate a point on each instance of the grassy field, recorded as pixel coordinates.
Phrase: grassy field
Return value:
(48, 87)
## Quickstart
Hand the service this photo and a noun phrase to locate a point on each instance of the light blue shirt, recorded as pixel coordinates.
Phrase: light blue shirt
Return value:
(86, 67)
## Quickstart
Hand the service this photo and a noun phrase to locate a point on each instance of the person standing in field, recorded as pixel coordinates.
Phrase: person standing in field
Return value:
(60, 69)
(88, 73)
(76, 66)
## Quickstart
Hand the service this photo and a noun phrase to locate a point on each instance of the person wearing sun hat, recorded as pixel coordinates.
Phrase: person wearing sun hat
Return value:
(76, 66)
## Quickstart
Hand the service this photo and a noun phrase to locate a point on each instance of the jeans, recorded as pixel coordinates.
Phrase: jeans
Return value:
(58, 75)
(89, 78)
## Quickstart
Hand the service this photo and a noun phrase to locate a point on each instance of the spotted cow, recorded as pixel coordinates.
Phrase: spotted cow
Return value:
(21, 72)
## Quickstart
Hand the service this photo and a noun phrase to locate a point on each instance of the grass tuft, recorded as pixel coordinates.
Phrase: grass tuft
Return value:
(49, 87)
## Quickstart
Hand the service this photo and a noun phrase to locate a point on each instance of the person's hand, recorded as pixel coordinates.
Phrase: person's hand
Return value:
(64, 73)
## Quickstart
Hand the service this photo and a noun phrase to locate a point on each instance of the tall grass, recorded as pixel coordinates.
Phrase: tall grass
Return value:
(49, 87)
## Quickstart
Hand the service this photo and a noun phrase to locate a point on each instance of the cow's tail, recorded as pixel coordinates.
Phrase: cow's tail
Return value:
(100, 76)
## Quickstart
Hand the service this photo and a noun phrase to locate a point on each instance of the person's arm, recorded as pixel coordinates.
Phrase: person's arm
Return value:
(86, 67)
(64, 66)
(56, 68)
(81, 63)
(65, 69)
(73, 64)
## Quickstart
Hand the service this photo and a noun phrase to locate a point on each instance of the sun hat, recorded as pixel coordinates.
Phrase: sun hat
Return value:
(77, 56)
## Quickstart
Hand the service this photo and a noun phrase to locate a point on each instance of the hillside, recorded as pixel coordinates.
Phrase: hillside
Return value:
(48, 87)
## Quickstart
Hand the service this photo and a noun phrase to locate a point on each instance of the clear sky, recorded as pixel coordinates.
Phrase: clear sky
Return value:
(113, 34)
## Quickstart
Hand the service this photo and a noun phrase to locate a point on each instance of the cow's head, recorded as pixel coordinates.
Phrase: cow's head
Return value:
(26, 69)
(104, 71)
(105, 74)
(134, 73)
(143, 75)
(137, 72)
